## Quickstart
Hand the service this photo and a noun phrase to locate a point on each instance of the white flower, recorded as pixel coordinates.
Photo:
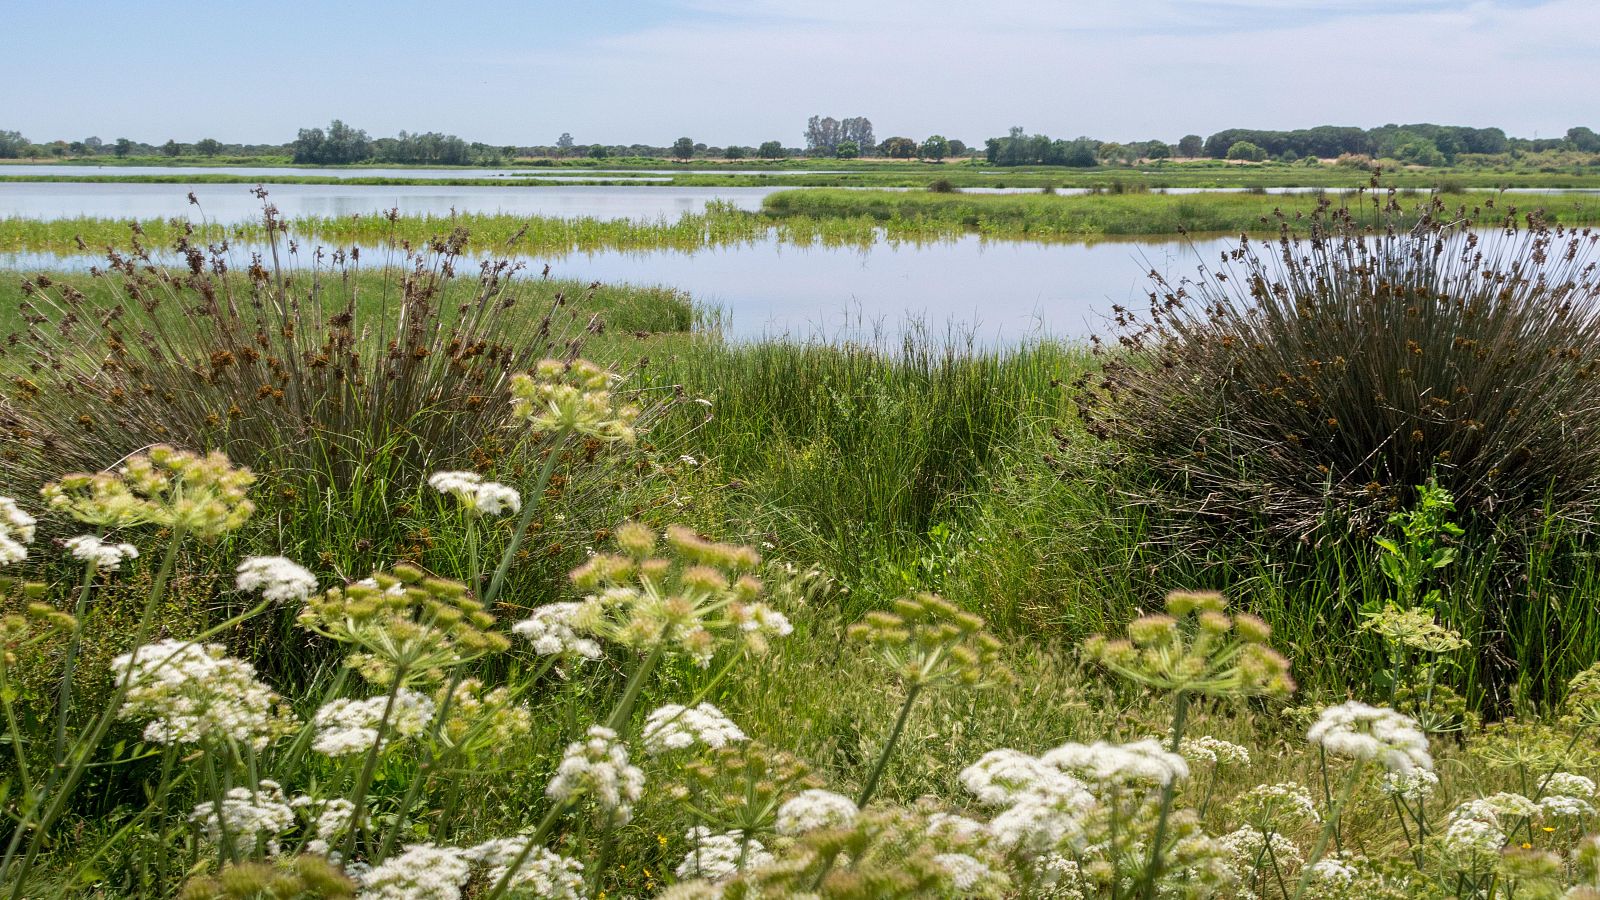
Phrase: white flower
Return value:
(1252, 847)
(812, 809)
(760, 620)
(1333, 872)
(674, 727)
(16, 530)
(422, 872)
(1415, 786)
(489, 498)
(252, 820)
(1473, 837)
(1214, 751)
(542, 875)
(106, 557)
(1567, 784)
(1278, 805)
(966, 872)
(276, 577)
(956, 829)
(1042, 818)
(550, 629)
(351, 726)
(1560, 806)
(1357, 731)
(1140, 761)
(1504, 803)
(193, 693)
(598, 768)
(332, 816)
(1000, 776)
(718, 856)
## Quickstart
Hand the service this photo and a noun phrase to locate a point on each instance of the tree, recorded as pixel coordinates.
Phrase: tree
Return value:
(847, 150)
(1191, 145)
(93, 145)
(1246, 151)
(770, 150)
(958, 148)
(599, 151)
(1583, 139)
(935, 147)
(12, 144)
(564, 143)
(341, 145)
(208, 147)
(123, 147)
(899, 148)
(822, 136)
(733, 151)
(858, 129)
(1157, 150)
(683, 148)
(171, 148)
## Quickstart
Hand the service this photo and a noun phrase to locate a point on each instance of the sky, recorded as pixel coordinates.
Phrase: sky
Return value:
(747, 71)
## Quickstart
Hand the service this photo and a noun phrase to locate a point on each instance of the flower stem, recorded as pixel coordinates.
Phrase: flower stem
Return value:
(1180, 717)
(529, 505)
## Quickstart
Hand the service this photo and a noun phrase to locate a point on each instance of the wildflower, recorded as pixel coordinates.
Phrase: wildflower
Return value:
(813, 809)
(404, 624)
(573, 398)
(347, 726)
(331, 819)
(202, 495)
(1568, 784)
(1252, 847)
(1357, 731)
(1558, 806)
(1413, 627)
(1415, 786)
(1278, 806)
(482, 719)
(1197, 649)
(957, 830)
(966, 872)
(1470, 837)
(1331, 872)
(276, 577)
(252, 819)
(194, 693)
(1212, 750)
(542, 874)
(720, 856)
(674, 727)
(489, 498)
(1140, 761)
(549, 629)
(105, 557)
(1000, 776)
(16, 532)
(598, 768)
(1041, 818)
(929, 640)
(420, 872)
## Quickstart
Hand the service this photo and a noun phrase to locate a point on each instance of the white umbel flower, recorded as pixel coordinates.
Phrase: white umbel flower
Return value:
(1040, 820)
(195, 692)
(347, 726)
(715, 857)
(252, 820)
(1355, 730)
(16, 532)
(542, 875)
(1568, 784)
(675, 727)
(489, 498)
(1143, 761)
(816, 808)
(967, 873)
(421, 872)
(1251, 847)
(106, 557)
(550, 629)
(1000, 776)
(1213, 751)
(1415, 786)
(277, 578)
(598, 768)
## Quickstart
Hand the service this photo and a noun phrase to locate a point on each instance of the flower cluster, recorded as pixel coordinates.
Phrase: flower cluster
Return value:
(1413, 627)
(251, 819)
(549, 628)
(1355, 730)
(541, 875)
(488, 498)
(482, 719)
(675, 727)
(194, 693)
(813, 809)
(202, 495)
(276, 578)
(1214, 653)
(1141, 762)
(928, 640)
(1278, 807)
(421, 872)
(1214, 751)
(1414, 786)
(16, 532)
(717, 857)
(404, 624)
(689, 602)
(573, 398)
(330, 819)
(347, 726)
(91, 549)
(597, 768)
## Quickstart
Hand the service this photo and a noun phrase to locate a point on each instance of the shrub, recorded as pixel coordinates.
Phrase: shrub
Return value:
(1331, 373)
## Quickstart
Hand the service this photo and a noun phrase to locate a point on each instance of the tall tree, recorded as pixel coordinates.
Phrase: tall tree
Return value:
(208, 147)
(12, 144)
(770, 150)
(858, 129)
(123, 147)
(683, 148)
(935, 147)
(564, 143)
(1191, 145)
(822, 136)
(171, 148)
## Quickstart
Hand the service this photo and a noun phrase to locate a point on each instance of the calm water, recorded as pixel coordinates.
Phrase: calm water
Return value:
(1003, 292)
(538, 174)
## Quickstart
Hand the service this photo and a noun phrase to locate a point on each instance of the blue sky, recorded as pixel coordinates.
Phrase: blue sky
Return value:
(745, 71)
